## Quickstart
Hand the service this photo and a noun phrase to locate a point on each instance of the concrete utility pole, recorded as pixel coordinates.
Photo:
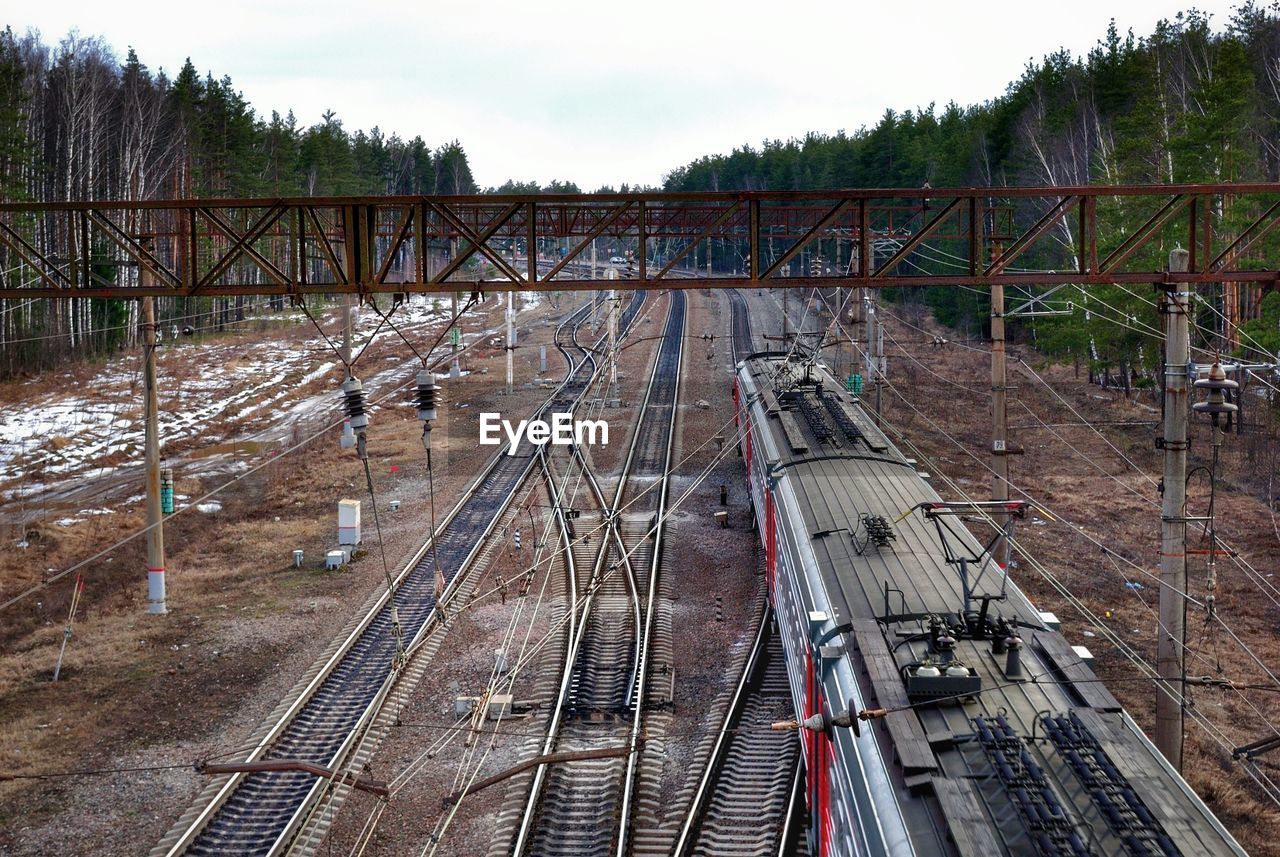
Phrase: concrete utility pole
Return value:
(999, 420)
(875, 346)
(1176, 307)
(155, 516)
(455, 371)
(511, 340)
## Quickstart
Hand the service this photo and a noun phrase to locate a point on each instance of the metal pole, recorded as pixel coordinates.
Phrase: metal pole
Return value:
(455, 371)
(874, 341)
(614, 399)
(347, 310)
(155, 518)
(880, 366)
(511, 340)
(340, 253)
(785, 292)
(595, 295)
(999, 422)
(836, 329)
(1173, 529)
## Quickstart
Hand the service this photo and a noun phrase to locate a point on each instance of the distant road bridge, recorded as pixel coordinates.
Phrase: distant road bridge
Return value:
(1040, 236)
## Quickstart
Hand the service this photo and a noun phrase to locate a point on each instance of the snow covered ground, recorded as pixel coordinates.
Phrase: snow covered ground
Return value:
(251, 385)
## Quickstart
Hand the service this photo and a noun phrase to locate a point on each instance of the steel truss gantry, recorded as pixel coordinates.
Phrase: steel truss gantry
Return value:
(859, 237)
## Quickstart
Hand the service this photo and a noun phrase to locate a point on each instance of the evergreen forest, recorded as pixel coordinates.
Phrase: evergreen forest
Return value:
(1197, 100)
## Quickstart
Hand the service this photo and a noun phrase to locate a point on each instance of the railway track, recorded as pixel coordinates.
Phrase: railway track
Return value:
(328, 713)
(746, 796)
(575, 807)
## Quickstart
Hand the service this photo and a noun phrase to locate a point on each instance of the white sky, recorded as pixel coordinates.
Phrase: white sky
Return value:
(605, 92)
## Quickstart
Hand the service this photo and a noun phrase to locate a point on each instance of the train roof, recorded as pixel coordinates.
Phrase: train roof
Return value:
(886, 549)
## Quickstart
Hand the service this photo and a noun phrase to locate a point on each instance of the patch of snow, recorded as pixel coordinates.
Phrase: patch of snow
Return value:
(97, 423)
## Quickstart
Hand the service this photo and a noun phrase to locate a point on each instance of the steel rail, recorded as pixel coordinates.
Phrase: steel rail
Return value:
(428, 628)
(794, 802)
(574, 621)
(536, 796)
(609, 512)
(697, 805)
(640, 685)
(751, 680)
(198, 825)
(740, 329)
(571, 655)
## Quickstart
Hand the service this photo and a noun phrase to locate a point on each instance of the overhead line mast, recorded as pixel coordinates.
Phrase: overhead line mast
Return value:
(999, 417)
(1175, 307)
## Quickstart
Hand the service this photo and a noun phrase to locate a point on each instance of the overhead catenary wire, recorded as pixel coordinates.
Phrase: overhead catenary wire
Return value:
(1248, 569)
(1234, 555)
(624, 562)
(1056, 513)
(421, 761)
(1111, 554)
(427, 414)
(672, 508)
(1082, 532)
(331, 792)
(1155, 678)
(444, 821)
(1104, 630)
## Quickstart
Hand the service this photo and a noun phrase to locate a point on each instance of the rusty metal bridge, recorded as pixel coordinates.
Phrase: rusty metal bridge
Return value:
(859, 237)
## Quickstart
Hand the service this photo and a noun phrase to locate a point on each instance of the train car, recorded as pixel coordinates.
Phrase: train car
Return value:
(998, 740)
